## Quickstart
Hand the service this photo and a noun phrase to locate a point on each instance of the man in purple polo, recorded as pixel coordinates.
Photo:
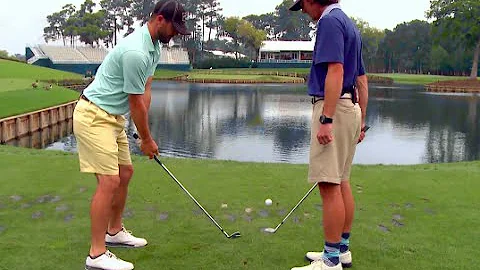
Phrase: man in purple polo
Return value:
(339, 89)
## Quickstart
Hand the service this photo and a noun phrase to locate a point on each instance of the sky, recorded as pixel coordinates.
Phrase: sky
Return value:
(22, 22)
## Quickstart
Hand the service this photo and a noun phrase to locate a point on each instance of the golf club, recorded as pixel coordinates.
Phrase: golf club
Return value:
(272, 230)
(229, 236)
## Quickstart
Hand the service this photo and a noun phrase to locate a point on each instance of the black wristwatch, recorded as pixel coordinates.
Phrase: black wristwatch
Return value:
(325, 120)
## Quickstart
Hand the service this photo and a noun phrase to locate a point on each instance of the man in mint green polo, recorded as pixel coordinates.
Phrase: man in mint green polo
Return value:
(121, 85)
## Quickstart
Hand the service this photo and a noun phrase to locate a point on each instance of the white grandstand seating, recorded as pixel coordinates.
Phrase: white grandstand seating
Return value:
(94, 55)
(63, 54)
(89, 55)
(39, 53)
(174, 56)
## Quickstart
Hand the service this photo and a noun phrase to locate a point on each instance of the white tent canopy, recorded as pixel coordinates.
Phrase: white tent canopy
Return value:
(287, 46)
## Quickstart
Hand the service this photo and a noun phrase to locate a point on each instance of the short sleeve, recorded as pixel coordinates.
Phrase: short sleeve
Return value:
(329, 42)
(361, 70)
(135, 71)
(361, 64)
(152, 70)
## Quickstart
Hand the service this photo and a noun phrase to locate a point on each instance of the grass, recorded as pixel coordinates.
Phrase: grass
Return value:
(418, 78)
(224, 74)
(438, 205)
(27, 100)
(168, 74)
(271, 78)
(243, 73)
(17, 94)
(253, 70)
(11, 69)
(14, 84)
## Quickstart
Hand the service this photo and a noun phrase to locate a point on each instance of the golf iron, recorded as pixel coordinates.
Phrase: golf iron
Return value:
(272, 230)
(229, 236)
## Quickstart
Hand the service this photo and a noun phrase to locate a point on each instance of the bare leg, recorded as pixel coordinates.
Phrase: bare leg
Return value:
(333, 212)
(100, 211)
(119, 199)
(349, 204)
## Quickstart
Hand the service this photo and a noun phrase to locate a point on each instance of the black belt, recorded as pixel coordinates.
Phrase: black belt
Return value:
(84, 98)
(347, 90)
(316, 99)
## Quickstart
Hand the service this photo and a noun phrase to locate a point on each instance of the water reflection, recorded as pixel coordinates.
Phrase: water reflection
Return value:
(271, 123)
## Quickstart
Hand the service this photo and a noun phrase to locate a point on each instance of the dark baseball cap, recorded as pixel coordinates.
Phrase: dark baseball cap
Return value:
(173, 11)
(296, 6)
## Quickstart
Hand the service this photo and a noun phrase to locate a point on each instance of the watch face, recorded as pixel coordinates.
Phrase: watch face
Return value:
(322, 119)
(325, 120)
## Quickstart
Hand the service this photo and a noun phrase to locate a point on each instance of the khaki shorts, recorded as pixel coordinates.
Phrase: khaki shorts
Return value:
(101, 139)
(332, 163)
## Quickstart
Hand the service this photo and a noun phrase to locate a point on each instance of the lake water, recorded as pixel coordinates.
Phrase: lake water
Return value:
(271, 123)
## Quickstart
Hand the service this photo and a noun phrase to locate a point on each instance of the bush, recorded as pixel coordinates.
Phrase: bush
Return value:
(11, 58)
(217, 63)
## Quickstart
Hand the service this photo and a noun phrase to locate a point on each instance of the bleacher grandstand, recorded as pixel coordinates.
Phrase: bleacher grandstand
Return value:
(286, 54)
(86, 60)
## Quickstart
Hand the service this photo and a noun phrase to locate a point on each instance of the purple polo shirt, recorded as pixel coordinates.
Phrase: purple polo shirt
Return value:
(338, 41)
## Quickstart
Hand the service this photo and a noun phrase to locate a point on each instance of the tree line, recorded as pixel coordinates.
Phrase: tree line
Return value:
(449, 45)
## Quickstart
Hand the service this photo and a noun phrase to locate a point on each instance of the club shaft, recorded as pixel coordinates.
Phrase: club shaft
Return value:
(295, 207)
(190, 195)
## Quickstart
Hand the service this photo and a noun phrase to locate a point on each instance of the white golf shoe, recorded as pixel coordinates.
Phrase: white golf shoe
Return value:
(345, 258)
(319, 265)
(108, 261)
(124, 238)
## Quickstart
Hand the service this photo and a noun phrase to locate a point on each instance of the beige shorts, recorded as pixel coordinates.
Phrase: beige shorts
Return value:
(332, 163)
(101, 139)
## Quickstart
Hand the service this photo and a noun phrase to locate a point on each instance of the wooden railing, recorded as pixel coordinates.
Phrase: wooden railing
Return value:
(17, 126)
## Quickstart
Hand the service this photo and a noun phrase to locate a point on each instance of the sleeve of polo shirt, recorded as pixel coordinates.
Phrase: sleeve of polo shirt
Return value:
(330, 42)
(152, 70)
(135, 71)
(361, 70)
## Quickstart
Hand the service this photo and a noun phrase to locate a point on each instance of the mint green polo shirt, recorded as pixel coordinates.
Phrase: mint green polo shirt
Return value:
(124, 71)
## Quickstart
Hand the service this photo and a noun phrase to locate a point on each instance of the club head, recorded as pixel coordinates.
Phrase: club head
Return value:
(269, 230)
(235, 235)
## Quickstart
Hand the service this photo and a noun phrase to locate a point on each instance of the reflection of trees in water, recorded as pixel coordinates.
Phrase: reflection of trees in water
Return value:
(452, 122)
(192, 120)
(290, 137)
(196, 121)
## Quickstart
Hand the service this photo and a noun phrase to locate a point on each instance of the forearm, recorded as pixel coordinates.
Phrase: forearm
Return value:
(139, 114)
(333, 89)
(147, 96)
(362, 85)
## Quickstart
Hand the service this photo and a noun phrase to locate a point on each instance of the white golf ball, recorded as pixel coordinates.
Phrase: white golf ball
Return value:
(268, 202)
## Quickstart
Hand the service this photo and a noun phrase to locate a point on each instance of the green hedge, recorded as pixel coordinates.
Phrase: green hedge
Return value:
(224, 63)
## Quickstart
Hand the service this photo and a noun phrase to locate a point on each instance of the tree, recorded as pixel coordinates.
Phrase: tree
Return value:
(4, 54)
(371, 38)
(57, 24)
(439, 59)
(459, 19)
(265, 22)
(88, 25)
(117, 16)
(291, 25)
(407, 48)
(211, 15)
(251, 37)
(141, 9)
(232, 25)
